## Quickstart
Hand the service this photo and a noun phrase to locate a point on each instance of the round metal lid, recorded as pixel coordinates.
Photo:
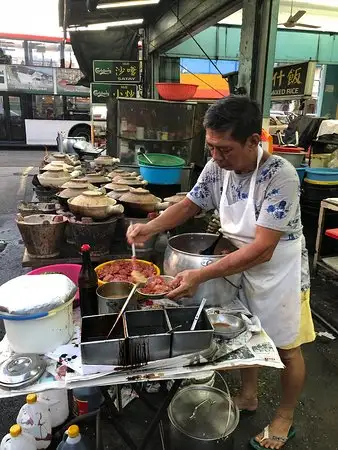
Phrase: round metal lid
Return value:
(21, 370)
(202, 412)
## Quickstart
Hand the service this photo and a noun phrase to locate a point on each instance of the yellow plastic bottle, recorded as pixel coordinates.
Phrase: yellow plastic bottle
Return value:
(16, 439)
(35, 419)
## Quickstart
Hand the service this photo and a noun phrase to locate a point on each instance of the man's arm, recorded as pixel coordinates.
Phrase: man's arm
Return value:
(174, 216)
(250, 255)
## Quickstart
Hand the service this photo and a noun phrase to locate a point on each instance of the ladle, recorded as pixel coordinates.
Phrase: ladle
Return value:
(210, 250)
(143, 152)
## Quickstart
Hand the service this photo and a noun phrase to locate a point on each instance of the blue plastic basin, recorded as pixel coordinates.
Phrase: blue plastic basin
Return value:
(301, 173)
(322, 174)
(161, 175)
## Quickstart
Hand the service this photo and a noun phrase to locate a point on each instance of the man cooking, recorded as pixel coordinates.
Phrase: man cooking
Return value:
(257, 196)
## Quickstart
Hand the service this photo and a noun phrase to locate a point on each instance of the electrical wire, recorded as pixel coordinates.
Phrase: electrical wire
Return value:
(193, 38)
(191, 73)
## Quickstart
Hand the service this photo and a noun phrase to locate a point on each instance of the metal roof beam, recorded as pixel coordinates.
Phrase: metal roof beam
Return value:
(194, 16)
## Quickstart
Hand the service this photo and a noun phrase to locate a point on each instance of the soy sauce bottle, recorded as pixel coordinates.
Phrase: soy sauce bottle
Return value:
(87, 284)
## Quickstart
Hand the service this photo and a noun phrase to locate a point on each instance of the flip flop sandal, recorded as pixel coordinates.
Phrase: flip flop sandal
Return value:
(266, 435)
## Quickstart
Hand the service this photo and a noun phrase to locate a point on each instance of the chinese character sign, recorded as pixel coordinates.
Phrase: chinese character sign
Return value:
(100, 92)
(116, 71)
(291, 81)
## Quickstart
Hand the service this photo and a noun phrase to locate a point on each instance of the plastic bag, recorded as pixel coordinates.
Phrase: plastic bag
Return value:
(31, 294)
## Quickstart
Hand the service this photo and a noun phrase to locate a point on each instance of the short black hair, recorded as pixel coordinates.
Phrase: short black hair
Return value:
(238, 114)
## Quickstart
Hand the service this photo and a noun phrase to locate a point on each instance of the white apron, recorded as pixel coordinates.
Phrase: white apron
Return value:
(271, 290)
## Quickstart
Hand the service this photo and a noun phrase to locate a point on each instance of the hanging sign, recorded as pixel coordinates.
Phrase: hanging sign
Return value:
(294, 80)
(116, 71)
(34, 79)
(66, 80)
(100, 92)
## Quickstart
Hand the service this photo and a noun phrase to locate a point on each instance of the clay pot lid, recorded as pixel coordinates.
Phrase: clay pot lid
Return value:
(178, 197)
(72, 184)
(94, 175)
(139, 195)
(95, 193)
(130, 182)
(117, 188)
(54, 168)
(116, 172)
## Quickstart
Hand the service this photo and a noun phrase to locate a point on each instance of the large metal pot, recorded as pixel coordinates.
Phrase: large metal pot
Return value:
(202, 417)
(182, 253)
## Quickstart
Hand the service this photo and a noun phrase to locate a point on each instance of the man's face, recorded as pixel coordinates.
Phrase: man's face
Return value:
(228, 153)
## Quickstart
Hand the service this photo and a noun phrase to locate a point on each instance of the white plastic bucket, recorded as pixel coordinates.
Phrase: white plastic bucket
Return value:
(44, 334)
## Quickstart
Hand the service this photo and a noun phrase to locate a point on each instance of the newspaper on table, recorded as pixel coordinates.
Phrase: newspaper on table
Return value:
(65, 369)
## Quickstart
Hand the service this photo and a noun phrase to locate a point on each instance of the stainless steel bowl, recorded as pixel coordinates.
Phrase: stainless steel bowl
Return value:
(153, 296)
(226, 325)
(111, 296)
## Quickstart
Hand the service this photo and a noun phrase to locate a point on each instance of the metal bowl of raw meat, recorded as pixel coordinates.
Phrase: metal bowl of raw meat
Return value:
(226, 325)
(156, 287)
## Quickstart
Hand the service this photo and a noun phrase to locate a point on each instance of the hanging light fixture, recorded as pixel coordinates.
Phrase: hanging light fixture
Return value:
(125, 4)
(105, 25)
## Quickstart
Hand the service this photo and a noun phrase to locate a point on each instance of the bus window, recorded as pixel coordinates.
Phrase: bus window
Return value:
(78, 108)
(47, 107)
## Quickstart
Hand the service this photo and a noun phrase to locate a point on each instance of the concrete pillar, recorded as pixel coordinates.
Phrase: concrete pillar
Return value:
(257, 50)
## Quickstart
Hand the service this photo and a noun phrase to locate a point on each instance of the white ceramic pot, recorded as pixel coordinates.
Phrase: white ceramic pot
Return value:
(43, 334)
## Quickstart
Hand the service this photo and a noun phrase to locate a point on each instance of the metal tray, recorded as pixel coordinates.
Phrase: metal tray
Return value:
(148, 334)
(185, 341)
(95, 348)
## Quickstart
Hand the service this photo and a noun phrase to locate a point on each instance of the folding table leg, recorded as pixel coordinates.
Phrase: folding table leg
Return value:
(159, 415)
(319, 237)
(116, 420)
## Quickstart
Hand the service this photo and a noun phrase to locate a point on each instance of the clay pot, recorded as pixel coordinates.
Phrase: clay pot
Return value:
(55, 177)
(118, 172)
(99, 235)
(75, 182)
(131, 181)
(74, 190)
(62, 157)
(94, 204)
(176, 198)
(63, 165)
(113, 186)
(139, 202)
(30, 208)
(42, 234)
(97, 179)
(117, 192)
(105, 161)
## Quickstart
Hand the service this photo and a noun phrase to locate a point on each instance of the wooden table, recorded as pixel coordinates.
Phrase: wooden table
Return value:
(330, 263)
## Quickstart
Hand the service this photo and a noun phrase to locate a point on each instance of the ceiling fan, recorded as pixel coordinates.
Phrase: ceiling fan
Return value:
(292, 21)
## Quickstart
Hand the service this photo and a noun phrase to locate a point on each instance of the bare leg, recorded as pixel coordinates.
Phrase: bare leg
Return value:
(292, 380)
(247, 398)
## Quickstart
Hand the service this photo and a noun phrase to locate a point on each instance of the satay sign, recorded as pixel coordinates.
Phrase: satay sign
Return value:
(116, 71)
(294, 80)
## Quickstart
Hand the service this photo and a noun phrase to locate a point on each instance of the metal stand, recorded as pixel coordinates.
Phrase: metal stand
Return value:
(115, 417)
(330, 264)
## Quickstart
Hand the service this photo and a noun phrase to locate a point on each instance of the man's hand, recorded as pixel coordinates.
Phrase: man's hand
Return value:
(188, 282)
(139, 233)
